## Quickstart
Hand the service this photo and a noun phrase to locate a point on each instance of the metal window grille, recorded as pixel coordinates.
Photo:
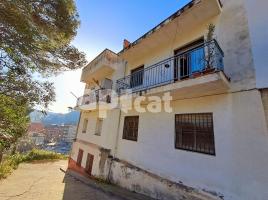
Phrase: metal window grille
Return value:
(194, 132)
(131, 125)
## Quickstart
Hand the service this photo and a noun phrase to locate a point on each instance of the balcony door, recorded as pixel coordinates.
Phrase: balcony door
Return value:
(189, 59)
(136, 78)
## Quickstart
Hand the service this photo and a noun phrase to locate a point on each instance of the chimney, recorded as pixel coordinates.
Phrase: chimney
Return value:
(126, 44)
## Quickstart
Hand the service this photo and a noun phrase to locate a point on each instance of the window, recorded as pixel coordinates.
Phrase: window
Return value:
(84, 130)
(194, 132)
(136, 78)
(131, 125)
(98, 126)
(79, 157)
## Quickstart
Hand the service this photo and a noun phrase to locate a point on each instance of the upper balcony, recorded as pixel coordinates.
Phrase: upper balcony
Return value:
(102, 66)
(94, 100)
(194, 72)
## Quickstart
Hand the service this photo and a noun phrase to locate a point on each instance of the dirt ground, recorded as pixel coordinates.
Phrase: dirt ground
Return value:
(45, 181)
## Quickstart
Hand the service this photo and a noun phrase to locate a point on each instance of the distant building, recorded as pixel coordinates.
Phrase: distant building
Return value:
(53, 133)
(69, 132)
(36, 132)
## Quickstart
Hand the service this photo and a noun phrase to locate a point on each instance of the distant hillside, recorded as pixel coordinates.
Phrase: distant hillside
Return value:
(55, 118)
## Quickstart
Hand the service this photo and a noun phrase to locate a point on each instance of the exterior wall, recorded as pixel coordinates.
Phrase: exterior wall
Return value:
(237, 171)
(107, 138)
(72, 164)
(233, 36)
(258, 27)
(141, 181)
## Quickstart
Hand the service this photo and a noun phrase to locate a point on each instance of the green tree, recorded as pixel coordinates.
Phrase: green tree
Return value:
(13, 121)
(35, 38)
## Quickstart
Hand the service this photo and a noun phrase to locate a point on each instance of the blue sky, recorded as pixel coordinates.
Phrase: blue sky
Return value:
(105, 24)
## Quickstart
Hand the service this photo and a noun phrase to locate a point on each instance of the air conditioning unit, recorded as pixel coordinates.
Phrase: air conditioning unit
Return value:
(106, 84)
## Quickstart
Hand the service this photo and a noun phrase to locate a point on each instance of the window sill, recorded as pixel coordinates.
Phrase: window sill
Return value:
(196, 151)
(129, 139)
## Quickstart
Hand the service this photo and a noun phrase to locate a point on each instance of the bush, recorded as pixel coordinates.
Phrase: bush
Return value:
(12, 162)
(36, 154)
(9, 164)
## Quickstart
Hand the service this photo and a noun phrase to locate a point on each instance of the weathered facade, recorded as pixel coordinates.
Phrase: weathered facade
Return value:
(213, 143)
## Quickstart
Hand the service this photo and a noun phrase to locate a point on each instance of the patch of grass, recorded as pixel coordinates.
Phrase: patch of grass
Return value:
(36, 154)
(12, 162)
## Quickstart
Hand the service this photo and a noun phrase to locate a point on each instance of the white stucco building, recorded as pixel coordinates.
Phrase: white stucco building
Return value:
(69, 132)
(213, 143)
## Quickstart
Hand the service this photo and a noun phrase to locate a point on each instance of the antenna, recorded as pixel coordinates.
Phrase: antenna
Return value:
(74, 95)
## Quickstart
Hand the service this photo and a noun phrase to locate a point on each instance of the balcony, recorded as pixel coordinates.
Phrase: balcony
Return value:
(94, 99)
(102, 66)
(201, 66)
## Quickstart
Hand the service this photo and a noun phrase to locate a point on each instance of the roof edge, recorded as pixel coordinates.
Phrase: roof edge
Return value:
(106, 49)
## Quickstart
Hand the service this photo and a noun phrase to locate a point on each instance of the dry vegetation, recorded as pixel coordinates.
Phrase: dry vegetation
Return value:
(12, 162)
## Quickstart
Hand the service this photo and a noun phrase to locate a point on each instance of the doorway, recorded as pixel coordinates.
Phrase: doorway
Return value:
(79, 157)
(89, 164)
(136, 78)
(189, 59)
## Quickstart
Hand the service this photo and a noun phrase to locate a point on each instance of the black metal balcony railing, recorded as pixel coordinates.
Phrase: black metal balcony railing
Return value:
(205, 58)
(95, 96)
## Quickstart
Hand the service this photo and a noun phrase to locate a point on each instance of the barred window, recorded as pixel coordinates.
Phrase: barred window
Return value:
(131, 125)
(194, 132)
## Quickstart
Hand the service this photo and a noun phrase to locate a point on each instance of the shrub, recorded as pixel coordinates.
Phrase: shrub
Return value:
(37, 154)
(9, 164)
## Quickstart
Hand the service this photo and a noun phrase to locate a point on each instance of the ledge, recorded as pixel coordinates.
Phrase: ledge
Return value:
(103, 65)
